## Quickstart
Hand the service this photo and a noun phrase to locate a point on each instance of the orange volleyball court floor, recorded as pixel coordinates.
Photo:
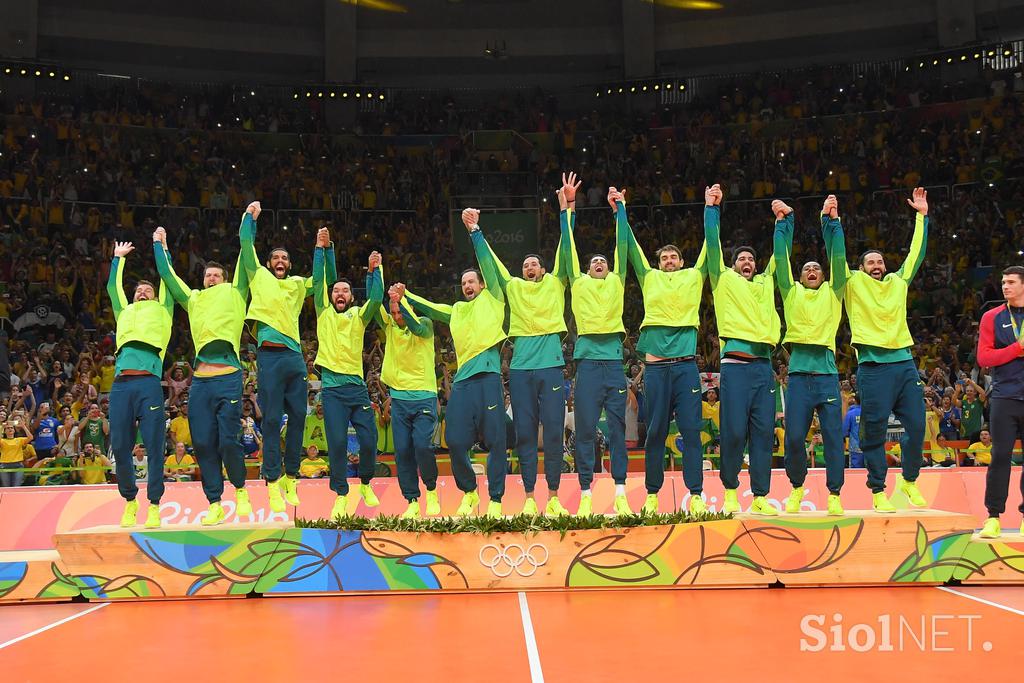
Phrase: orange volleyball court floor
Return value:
(926, 633)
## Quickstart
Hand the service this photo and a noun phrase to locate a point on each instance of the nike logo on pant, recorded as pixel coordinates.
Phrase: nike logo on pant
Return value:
(234, 401)
(154, 407)
(622, 391)
(492, 407)
(1008, 325)
(694, 391)
(831, 400)
(555, 388)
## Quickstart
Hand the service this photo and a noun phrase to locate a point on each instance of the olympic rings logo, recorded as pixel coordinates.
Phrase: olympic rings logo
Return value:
(513, 558)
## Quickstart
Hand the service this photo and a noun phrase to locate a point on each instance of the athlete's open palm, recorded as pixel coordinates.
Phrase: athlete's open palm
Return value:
(122, 249)
(920, 201)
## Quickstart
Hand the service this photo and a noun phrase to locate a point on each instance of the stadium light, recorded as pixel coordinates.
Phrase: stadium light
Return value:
(935, 62)
(344, 94)
(949, 60)
(52, 74)
(38, 72)
(620, 91)
(1007, 53)
(644, 88)
(597, 94)
(359, 94)
(977, 55)
(963, 58)
(7, 70)
(920, 65)
(632, 88)
(308, 94)
(24, 72)
(333, 94)
(991, 53)
(295, 96)
(320, 94)
(67, 77)
(380, 96)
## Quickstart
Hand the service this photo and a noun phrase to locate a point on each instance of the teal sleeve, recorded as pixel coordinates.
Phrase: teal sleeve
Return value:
(569, 258)
(488, 267)
(416, 325)
(442, 313)
(713, 241)
(118, 301)
(180, 292)
(782, 246)
(492, 269)
(331, 272)
(637, 259)
(835, 246)
(622, 232)
(247, 240)
(374, 295)
(918, 247)
(319, 287)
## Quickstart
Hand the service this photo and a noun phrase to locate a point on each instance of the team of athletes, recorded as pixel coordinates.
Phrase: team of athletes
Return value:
(748, 324)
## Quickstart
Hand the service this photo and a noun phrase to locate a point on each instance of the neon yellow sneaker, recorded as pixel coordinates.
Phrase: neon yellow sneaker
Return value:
(274, 493)
(153, 516)
(586, 507)
(340, 507)
(468, 505)
(433, 504)
(910, 490)
(289, 485)
(731, 503)
(651, 504)
(530, 507)
(243, 508)
(796, 496)
(214, 516)
(413, 511)
(991, 528)
(130, 515)
(880, 502)
(697, 505)
(368, 496)
(761, 506)
(621, 506)
(555, 508)
(494, 509)
(835, 506)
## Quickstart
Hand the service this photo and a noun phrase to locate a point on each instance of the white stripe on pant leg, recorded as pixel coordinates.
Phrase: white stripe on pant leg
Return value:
(536, 675)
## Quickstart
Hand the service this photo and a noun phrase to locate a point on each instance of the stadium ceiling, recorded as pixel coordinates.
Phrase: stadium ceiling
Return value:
(450, 42)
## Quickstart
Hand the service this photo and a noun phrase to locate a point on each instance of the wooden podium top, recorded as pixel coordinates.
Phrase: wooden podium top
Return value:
(239, 526)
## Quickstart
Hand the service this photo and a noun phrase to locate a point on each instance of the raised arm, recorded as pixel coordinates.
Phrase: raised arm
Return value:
(622, 233)
(319, 287)
(115, 288)
(418, 326)
(567, 243)
(330, 267)
(491, 267)
(835, 245)
(247, 240)
(442, 313)
(179, 291)
(566, 195)
(712, 232)
(919, 243)
(374, 287)
(783, 246)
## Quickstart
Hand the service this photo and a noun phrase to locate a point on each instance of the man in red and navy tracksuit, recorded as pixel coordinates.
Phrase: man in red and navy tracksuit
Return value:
(1001, 347)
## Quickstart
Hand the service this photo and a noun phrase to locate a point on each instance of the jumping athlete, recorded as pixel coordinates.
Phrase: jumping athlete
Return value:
(813, 308)
(216, 316)
(136, 397)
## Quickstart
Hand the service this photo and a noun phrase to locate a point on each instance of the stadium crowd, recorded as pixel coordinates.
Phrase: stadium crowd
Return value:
(77, 174)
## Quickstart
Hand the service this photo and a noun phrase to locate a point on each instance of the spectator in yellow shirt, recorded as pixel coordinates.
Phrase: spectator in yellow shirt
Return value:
(313, 465)
(980, 452)
(180, 465)
(179, 429)
(94, 466)
(12, 452)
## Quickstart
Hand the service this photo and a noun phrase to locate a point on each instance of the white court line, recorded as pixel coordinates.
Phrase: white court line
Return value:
(536, 675)
(53, 625)
(982, 600)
